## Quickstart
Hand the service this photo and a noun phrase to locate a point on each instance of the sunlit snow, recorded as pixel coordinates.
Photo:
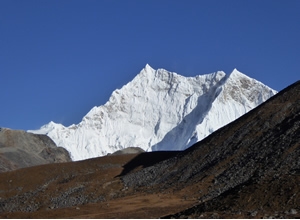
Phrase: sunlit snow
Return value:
(160, 110)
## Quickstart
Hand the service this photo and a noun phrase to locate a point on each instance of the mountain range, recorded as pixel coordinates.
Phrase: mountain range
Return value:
(160, 111)
(249, 168)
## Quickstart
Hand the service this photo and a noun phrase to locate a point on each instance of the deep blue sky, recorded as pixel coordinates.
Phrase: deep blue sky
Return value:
(59, 58)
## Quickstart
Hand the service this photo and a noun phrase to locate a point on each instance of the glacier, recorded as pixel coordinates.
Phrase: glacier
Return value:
(160, 110)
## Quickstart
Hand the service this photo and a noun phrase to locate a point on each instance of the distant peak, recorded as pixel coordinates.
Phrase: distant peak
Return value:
(146, 71)
(148, 68)
(236, 73)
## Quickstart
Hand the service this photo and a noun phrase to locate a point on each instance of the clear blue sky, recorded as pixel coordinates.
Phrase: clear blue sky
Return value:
(59, 58)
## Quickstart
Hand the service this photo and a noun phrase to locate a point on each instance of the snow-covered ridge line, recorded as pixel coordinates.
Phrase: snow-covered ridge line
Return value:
(160, 110)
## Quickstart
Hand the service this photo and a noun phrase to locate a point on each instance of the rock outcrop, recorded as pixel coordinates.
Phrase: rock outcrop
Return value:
(129, 150)
(19, 149)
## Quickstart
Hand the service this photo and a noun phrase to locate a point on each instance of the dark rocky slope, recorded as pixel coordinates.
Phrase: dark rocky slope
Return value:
(251, 165)
(19, 149)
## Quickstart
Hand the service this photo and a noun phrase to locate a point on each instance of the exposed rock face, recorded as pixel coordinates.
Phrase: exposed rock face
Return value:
(19, 149)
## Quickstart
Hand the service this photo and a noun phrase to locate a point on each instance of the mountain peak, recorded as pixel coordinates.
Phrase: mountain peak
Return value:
(160, 110)
(148, 68)
(147, 72)
(237, 73)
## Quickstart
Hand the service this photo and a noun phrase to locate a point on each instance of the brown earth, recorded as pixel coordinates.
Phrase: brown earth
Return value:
(94, 180)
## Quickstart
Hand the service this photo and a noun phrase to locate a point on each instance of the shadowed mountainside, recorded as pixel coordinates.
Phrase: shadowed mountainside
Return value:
(19, 149)
(247, 169)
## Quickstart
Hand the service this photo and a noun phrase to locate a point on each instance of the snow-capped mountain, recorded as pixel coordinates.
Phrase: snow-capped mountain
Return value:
(160, 110)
